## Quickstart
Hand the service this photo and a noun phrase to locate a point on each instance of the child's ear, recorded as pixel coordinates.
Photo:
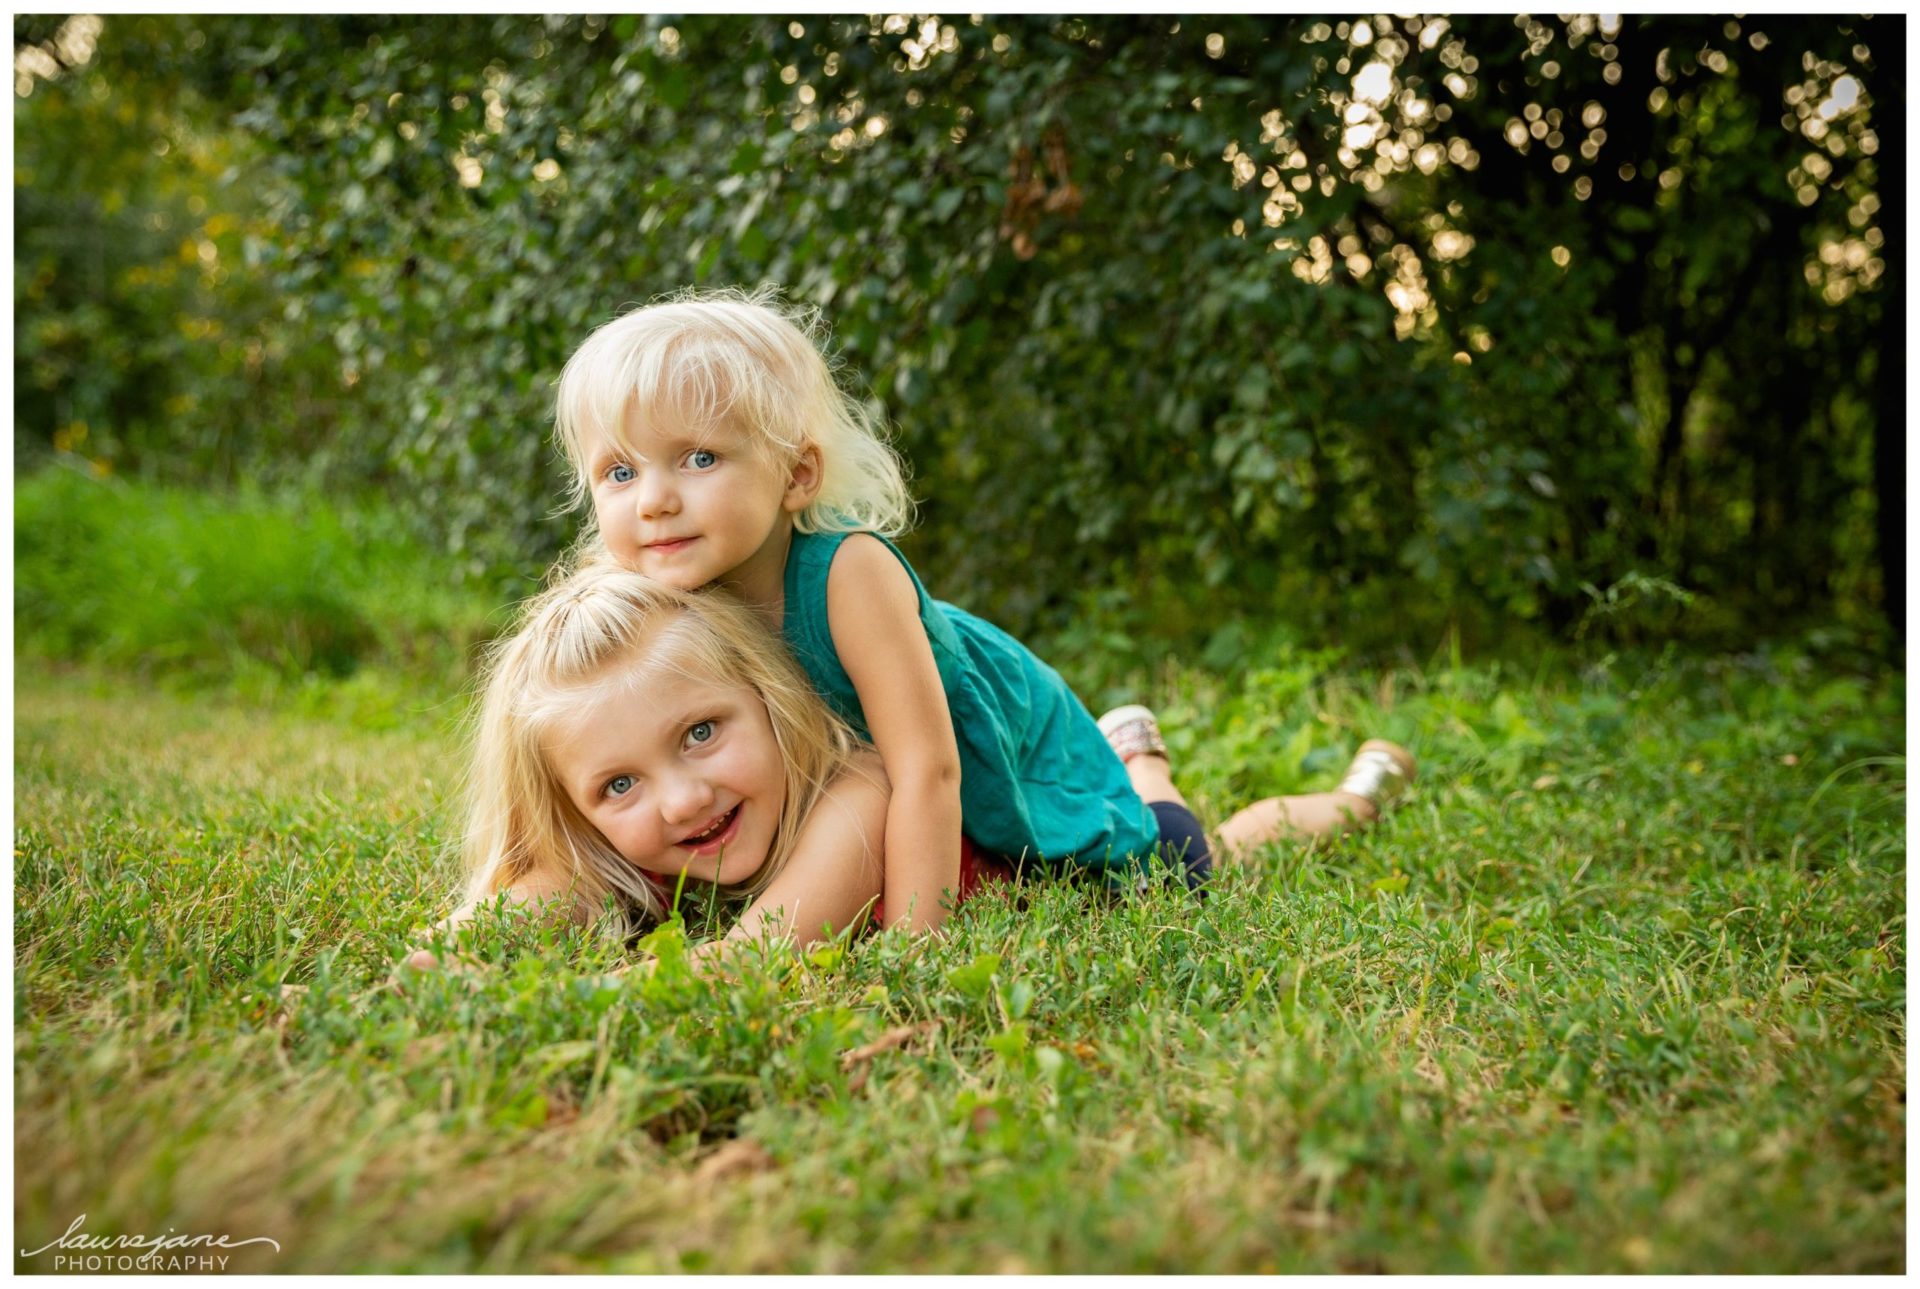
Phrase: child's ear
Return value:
(803, 479)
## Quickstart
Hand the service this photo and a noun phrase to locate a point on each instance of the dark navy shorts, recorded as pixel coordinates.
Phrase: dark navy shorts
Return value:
(1183, 845)
(1182, 852)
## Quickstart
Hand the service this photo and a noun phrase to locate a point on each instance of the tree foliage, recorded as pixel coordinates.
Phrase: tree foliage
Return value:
(1362, 321)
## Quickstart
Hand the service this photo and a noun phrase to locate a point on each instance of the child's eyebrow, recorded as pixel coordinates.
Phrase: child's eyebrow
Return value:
(606, 452)
(702, 436)
(584, 779)
(673, 443)
(693, 715)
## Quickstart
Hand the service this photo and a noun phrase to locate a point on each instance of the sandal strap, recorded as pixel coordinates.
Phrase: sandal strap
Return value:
(1132, 731)
(1376, 775)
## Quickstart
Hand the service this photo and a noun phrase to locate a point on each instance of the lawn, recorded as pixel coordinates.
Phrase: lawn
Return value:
(1620, 987)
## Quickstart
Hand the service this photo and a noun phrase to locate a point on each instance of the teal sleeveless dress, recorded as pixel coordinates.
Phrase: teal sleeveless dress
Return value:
(1037, 777)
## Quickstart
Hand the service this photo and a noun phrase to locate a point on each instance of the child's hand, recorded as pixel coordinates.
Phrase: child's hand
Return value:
(420, 960)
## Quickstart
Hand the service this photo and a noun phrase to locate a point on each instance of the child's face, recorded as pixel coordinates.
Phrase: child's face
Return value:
(691, 507)
(677, 773)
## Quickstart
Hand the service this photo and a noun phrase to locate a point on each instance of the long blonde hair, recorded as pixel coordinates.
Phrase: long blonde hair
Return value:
(697, 359)
(599, 625)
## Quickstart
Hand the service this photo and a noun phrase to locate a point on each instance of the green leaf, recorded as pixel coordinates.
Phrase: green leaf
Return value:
(1018, 997)
(746, 157)
(1012, 1042)
(945, 203)
(976, 978)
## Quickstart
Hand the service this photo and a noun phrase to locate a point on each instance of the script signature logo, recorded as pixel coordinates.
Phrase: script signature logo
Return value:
(136, 1249)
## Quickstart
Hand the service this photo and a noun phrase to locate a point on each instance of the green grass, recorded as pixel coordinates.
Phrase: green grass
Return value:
(1620, 987)
(263, 591)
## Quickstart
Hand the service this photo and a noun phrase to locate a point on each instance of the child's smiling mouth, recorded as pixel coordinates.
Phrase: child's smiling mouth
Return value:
(671, 546)
(714, 835)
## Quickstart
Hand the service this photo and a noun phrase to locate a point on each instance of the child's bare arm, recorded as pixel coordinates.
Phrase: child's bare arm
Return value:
(835, 871)
(874, 614)
(833, 876)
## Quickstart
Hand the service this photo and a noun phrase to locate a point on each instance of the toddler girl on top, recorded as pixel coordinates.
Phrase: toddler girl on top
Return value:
(717, 449)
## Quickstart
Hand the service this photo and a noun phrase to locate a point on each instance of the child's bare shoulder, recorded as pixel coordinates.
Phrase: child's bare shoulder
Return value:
(862, 557)
(864, 771)
(868, 577)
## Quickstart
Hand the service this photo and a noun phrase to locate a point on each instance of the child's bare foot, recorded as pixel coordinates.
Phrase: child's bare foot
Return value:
(1379, 773)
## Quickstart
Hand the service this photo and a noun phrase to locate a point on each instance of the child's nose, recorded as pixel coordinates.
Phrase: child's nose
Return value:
(688, 800)
(655, 495)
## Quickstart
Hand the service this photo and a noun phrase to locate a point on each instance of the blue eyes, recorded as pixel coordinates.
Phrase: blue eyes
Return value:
(699, 734)
(698, 459)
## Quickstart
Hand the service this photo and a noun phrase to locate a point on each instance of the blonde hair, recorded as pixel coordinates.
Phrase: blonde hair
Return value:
(600, 626)
(702, 358)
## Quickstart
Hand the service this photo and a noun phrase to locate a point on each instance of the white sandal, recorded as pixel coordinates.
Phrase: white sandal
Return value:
(1132, 731)
(1380, 772)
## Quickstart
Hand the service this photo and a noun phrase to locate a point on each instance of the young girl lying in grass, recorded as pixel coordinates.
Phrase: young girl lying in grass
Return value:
(632, 735)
